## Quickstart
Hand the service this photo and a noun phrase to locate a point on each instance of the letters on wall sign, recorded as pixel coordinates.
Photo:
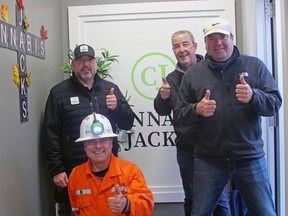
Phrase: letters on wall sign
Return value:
(19, 39)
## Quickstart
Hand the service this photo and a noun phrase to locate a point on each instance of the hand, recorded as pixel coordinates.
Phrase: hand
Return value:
(243, 91)
(117, 203)
(111, 100)
(165, 89)
(61, 180)
(206, 107)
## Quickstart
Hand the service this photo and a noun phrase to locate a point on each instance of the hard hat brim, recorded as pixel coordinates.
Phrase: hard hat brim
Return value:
(96, 137)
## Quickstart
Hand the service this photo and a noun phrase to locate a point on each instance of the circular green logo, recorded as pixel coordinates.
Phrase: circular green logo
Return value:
(148, 71)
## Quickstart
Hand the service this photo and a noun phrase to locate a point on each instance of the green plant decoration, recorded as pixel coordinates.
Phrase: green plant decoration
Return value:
(128, 98)
(104, 63)
(67, 67)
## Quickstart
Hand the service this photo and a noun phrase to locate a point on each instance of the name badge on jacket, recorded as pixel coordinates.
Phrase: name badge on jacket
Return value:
(74, 100)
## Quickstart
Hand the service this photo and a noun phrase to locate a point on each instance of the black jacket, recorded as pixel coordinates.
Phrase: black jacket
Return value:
(234, 130)
(185, 135)
(68, 103)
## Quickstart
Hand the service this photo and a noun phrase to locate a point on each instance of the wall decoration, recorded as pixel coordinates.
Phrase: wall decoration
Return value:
(43, 33)
(26, 24)
(28, 78)
(16, 78)
(5, 12)
(19, 39)
(20, 4)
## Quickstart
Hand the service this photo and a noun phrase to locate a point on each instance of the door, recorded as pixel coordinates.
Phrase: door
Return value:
(140, 33)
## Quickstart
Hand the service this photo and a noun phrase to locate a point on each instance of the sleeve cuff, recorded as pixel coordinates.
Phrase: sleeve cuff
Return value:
(127, 207)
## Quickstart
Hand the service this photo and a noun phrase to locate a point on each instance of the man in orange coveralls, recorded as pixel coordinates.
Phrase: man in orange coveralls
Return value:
(105, 184)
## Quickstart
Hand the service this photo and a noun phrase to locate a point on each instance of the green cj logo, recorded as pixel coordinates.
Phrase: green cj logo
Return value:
(148, 71)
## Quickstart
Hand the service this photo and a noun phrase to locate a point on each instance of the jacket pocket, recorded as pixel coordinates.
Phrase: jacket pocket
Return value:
(83, 200)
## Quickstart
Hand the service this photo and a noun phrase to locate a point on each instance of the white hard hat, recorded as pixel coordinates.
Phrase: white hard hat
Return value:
(95, 126)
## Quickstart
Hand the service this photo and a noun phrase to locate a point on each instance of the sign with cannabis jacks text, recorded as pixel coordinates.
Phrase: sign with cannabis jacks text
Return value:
(19, 39)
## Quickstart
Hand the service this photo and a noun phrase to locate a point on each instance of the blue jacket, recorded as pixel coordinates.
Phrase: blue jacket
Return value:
(68, 103)
(234, 131)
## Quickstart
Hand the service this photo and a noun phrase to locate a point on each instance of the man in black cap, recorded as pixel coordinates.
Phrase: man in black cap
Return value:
(68, 103)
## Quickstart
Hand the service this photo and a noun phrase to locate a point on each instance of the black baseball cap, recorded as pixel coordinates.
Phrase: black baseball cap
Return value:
(83, 50)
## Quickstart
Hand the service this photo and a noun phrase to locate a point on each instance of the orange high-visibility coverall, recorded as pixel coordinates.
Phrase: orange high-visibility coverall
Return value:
(88, 194)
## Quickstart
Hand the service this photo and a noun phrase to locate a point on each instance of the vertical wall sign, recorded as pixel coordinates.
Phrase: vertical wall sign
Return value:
(17, 38)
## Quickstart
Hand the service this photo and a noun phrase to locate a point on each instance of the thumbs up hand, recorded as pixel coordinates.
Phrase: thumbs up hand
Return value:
(207, 95)
(111, 100)
(243, 91)
(165, 89)
(206, 107)
(117, 203)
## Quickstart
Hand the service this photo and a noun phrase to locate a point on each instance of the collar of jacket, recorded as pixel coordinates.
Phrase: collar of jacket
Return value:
(114, 169)
(199, 57)
(221, 66)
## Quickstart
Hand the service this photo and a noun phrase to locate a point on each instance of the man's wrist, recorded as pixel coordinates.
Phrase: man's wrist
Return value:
(127, 207)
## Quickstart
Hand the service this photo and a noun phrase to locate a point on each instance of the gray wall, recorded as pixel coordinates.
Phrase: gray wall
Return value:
(24, 182)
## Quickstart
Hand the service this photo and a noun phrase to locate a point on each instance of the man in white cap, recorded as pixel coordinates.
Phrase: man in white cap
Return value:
(224, 96)
(105, 184)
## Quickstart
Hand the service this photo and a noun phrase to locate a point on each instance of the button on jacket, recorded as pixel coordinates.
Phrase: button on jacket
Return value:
(88, 194)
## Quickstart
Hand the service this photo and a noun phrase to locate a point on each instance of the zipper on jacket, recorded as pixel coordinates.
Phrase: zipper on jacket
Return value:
(225, 91)
(94, 104)
(228, 94)
(91, 106)
(222, 75)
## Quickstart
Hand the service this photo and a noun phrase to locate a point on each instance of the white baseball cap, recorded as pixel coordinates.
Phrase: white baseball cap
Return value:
(217, 25)
(95, 126)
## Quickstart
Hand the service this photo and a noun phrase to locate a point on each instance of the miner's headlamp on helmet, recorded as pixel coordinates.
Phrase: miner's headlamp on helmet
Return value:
(95, 126)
